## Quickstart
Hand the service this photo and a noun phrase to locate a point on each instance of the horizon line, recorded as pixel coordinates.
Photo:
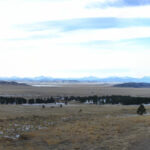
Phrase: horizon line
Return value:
(40, 76)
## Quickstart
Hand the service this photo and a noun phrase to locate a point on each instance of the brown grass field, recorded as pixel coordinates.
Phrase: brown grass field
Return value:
(73, 127)
(94, 128)
(71, 90)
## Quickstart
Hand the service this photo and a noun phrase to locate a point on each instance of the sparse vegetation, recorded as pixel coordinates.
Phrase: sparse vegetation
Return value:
(76, 125)
(97, 127)
(43, 106)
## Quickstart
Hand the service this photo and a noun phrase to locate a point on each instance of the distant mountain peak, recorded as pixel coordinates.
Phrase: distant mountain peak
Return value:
(113, 79)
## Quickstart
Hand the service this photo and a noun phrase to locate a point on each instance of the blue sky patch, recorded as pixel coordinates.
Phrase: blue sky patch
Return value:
(87, 23)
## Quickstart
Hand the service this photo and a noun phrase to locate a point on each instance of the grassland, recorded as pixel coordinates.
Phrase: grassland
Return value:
(71, 90)
(75, 127)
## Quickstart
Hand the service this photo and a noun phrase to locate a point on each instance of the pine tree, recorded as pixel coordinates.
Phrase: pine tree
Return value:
(141, 110)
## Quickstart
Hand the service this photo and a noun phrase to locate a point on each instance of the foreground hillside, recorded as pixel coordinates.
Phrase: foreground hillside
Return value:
(75, 127)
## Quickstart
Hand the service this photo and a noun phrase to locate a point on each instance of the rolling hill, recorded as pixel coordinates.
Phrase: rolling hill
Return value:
(133, 85)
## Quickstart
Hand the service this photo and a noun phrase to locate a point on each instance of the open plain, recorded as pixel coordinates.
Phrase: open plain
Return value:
(75, 126)
(63, 89)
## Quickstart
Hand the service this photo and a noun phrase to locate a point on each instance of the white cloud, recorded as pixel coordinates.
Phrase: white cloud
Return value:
(24, 55)
(79, 36)
(51, 60)
(20, 12)
(114, 34)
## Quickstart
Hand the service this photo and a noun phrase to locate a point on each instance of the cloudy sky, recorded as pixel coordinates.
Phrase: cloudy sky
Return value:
(74, 38)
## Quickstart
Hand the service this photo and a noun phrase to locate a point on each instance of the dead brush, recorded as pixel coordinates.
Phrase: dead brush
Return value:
(25, 137)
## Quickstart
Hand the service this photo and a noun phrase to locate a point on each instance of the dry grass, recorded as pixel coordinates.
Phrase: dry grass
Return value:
(95, 128)
(71, 90)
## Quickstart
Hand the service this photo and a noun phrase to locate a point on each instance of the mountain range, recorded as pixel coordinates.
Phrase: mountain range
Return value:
(83, 79)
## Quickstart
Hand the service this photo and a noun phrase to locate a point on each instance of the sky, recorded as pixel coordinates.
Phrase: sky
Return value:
(74, 38)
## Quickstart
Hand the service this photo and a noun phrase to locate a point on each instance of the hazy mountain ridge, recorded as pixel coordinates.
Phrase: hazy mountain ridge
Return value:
(133, 85)
(83, 79)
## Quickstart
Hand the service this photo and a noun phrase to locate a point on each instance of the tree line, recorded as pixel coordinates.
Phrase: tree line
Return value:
(21, 100)
(114, 99)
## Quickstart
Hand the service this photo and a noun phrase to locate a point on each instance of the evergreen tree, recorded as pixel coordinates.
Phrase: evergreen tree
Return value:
(141, 110)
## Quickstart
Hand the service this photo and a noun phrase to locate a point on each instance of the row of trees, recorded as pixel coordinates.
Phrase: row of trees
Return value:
(21, 100)
(125, 100)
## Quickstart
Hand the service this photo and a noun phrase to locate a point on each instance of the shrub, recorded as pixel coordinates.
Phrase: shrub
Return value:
(141, 110)
(43, 106)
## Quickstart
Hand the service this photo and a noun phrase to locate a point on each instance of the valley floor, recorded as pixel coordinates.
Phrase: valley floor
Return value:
(71, 90)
